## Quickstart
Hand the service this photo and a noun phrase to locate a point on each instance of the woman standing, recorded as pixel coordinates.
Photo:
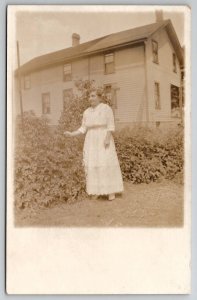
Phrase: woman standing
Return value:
(102, 169)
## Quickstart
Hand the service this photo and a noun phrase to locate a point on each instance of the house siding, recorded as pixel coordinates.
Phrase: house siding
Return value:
(128, 79)
(133, 79)
(162, 73)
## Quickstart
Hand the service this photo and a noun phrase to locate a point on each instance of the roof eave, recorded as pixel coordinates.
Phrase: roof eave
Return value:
(175, 41)
(75, 57)
(173, 38)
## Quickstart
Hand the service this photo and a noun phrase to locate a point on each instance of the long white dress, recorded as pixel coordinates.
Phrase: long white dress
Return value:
(102, 169)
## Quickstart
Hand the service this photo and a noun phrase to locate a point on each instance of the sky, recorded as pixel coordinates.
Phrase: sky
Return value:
(42, 30)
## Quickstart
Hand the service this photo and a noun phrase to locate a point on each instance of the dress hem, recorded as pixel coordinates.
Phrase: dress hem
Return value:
(105, 193)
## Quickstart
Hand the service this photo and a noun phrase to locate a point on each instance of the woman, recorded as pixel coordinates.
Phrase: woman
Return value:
(102, 169)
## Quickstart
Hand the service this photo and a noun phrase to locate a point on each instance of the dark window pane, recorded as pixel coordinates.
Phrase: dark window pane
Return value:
(67, 72)
(155, 52)
(111, 96)
(109, 63)
(174, 63)
(67, 77)
(46, 109)
(109, 58)
(67, 96)
(157, 96)
(109, 68)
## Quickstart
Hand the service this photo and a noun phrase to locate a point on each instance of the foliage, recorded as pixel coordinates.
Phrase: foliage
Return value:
(48, 166)
(71, 116)
(147, 155)
(75, 106)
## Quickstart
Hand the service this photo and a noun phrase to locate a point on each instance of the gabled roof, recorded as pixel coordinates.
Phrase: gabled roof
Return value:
(111, 41)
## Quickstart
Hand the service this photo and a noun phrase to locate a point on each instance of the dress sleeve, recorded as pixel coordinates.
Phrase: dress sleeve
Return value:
(110, 119)
(83, 127)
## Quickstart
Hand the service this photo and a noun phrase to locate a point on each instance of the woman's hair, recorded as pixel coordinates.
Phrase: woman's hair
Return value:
(98, 91)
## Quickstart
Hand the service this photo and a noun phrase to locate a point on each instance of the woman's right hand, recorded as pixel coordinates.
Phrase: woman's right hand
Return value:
(67, 133)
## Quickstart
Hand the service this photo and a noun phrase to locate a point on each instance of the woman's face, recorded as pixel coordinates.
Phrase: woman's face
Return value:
(94, 99)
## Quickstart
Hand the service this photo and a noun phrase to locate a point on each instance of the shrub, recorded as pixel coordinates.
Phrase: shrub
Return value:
(147, 155)
(48, 166)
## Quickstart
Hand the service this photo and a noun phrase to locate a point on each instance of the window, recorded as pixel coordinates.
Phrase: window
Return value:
(67, 72)
(67, 96)
(155, 52)
(46, 109)
(27, 82)
(175, 101)
(109, 63)
(157, 96)
(110, 94)
(174, 62)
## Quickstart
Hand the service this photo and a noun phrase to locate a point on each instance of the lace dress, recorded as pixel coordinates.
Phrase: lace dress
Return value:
(103, 174)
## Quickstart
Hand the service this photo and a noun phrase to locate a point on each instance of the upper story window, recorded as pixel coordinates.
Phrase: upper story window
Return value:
(46, 106)
(174, 62)
(67, 72)
(155, 52)
(109, 63)
(157, 96)
(67, 96)
(27, 82)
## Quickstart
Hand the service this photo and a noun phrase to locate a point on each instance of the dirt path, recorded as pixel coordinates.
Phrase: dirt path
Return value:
(152, 205)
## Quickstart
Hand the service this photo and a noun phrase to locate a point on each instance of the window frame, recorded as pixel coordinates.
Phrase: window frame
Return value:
(67, 74)
(113, 94)
(68, 89)
(156, 83)
(49, 97)
(156, 61)
(174, 62)
(106, 72)
(177, 88)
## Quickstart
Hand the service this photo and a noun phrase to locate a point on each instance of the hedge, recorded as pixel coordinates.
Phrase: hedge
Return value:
(149, 155)
(48, 166)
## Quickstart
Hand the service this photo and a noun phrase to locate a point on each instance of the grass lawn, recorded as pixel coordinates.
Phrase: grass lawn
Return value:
(143, 205)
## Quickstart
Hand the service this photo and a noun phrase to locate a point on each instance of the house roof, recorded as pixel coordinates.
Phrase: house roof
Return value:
(131, 36)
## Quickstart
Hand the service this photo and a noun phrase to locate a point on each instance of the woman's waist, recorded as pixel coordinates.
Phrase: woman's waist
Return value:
(99, 126)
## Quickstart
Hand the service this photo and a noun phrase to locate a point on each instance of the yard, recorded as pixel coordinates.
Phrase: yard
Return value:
(143, 205)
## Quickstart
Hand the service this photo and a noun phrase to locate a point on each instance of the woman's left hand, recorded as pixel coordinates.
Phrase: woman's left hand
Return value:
(107, 142)
(68, 133)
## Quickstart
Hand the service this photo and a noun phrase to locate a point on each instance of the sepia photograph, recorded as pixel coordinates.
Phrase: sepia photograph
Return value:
(99, 114)
(99, 119)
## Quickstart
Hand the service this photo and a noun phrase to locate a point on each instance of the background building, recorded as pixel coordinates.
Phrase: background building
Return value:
(140, 69)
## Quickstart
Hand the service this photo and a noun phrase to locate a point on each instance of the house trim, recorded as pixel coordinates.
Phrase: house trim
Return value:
(78, 57)
(146, 81)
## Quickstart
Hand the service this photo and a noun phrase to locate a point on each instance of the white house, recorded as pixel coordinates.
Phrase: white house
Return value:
(140, 68)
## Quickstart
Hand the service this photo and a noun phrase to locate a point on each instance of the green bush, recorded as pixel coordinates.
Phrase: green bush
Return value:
(48, 166)
(147, 155)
